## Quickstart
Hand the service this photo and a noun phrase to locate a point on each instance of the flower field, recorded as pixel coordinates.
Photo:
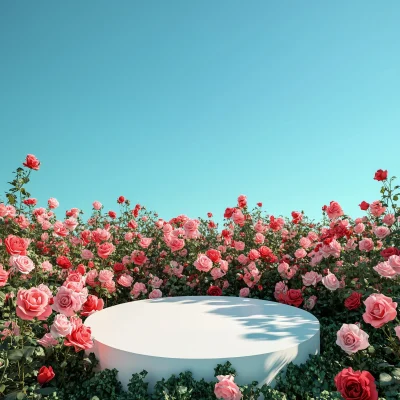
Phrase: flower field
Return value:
(55, 273)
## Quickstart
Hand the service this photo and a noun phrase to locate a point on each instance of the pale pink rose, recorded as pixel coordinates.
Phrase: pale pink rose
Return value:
(376, 208)
(156, 282)
(381, 231)
(226, 388)
(46, 266)
(155, 294)
(109, 285)
(239, 246)
(48, 341)
(305, 242)
(105, 275)
(71, 223)
(91, 277)
(33, 303)
(175, 244)
(138, 288)
(44, 237)
(87, 254)
(128, 237)
(167, 229)
(366, 245)
(53, 203)
(309, 304)
(183, 253)
(242, 259)
(3, 276)
(3, 210)
(61, 326)
(379, 310)
(311, 278)
(334, 210)
(379, 244)
(145, 242)
(22, 263)
(59, 229)
(300, 253)
(394, 262)
(259, 227)
(217, 273)
(125, 280)
(397, 330)
(101, 235)
(76, 241)
(384, 269)
(203, 263)
(190, 229)
(280, 288)
(389, 219)
(359, 228)
(331, 282)
(352, 338)
(238, 217)
(332, 249)
(259, 238)
(67, 301)
(46, 289)
(312, 236)
(244, 292)
(46, 225)
(126, 260)
(350, 245)
(97, 205)
(223, 264)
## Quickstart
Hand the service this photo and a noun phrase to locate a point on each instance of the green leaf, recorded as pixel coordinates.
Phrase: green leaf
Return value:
(2, 388)
(28, 351)
(20, 395)
(385, 379)
(15, 355)
(11, 198)
(46, 391)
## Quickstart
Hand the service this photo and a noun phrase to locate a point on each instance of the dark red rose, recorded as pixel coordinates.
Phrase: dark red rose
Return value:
(390, 251)
(81, 269)
(63, 262)
(32, 162)
(353, 301)
(209, 215)
(30, 202)
(228, 212)
(214, 291)
(259, 204)
(213, 255)
(121, 199)
(293, 297)
(119, 267)
(358, 385)
(364, 205)
(112, 214)
(45, 375)
(380, 175)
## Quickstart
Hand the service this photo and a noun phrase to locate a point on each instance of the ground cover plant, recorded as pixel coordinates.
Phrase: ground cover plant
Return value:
(55, 273)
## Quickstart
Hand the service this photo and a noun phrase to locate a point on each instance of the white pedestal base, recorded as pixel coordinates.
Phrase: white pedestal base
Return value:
(175, 334)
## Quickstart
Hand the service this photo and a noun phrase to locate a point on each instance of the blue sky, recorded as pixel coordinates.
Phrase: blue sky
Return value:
(182, 106)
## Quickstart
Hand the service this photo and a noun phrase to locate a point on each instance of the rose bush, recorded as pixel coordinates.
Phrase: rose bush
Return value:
(56, 272)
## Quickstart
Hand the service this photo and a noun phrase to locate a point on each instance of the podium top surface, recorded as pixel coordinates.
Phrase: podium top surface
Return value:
(202, 327)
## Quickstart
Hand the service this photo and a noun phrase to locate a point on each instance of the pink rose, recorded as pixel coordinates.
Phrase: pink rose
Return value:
(384, 269)
(97, 205)
(397, 330)
(80, 337)
(331, 282)
(46, 266)
(259, 238)
(145, 242)
(226, 388)
(105, 250)
(389, 219)
(217, 273)
(105, 275)
(138, 257)
(359, 228)
(125, 280)
(244, 292)
(239, 246)
(305, 242)
(203, 263)
(309, 304)
(87, 254)
(376, 208)
(351, 338)
(3, 276)
(300, 253)
(394, 262)
(67, 301)
(366, 245)
(379, 310)
(155, 294)
(61, 326)
(242, 259)
(311, 278)
(138, 288)
(381, 232)
(334, 210)
(53, 203)
(48, 341)
(238, 217)
(33, 303)
(22, 263)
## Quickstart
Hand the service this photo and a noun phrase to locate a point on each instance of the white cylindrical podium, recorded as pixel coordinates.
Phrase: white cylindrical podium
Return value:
(171, 335)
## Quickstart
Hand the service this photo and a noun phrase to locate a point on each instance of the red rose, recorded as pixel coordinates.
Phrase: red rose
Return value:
(80, 337)
(121, 199)
(228, 212)
(105, 250)
(214, 291)
(92, 304)
(213, 255)
(63, 262)
(45, 375)
(15, 245)
(380, 175)
(259, 204)
(112, 214)
(358, 385)
(30, 202)
(31, 162)
(364, 205)
(353, 301)
(293, 297)
(209, 215)
(390, 251)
